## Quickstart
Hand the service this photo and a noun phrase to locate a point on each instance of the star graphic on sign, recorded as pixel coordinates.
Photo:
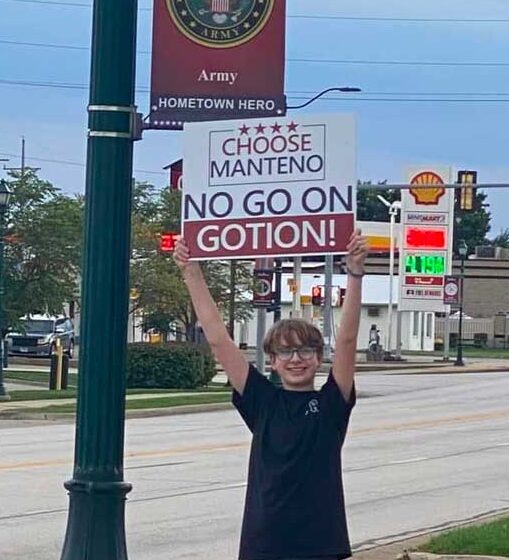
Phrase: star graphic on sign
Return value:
(260, 129)
(276, 128)
(292, 127)
(244, 129)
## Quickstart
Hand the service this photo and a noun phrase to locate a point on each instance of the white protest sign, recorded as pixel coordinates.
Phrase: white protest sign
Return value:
(277, 186)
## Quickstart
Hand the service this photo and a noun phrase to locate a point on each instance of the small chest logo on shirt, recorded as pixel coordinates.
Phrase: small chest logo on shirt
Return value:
(313, 407)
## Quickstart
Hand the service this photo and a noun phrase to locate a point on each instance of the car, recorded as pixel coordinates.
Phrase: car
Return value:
(38, 335)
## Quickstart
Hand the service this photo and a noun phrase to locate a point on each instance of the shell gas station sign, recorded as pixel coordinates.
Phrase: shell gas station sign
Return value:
(427, 219)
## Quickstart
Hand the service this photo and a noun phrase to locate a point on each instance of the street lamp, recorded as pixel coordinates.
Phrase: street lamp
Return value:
(5, 194)
(393, 208)
(462, 250)
(343, 89)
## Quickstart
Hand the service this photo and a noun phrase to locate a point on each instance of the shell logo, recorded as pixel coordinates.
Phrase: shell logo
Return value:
(428, 194)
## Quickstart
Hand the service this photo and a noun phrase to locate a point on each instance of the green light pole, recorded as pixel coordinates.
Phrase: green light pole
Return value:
(462, 250)
(5, 194)
(278, 270)
(97, 491)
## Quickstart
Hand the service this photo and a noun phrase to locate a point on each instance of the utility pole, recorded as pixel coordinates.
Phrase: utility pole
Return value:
(97, 491)
(231, 303)
(261, 324)
(23, 167)
(297, 274)
(22, 157)
(278, 269)
(327, 307)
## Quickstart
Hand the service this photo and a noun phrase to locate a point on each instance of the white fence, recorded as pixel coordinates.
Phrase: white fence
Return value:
(481, 330)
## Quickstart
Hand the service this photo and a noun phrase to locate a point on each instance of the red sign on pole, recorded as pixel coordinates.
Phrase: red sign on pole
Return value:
(262, 293)
(216, 59)
(452, 290)
(167, 242)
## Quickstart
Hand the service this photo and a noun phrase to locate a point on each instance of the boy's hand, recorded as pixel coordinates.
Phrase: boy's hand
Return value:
(181, 255)
(357, 251)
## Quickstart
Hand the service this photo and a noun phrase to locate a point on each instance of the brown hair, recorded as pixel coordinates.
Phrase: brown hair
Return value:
(296, 331)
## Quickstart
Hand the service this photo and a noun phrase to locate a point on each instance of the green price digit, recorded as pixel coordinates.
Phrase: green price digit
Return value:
(433, 265)
(410, 265)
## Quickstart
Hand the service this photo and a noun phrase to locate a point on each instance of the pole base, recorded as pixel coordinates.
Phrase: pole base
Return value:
(4, 396)
(95, 525)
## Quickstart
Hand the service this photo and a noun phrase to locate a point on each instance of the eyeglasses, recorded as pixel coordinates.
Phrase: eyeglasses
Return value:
(304, 353)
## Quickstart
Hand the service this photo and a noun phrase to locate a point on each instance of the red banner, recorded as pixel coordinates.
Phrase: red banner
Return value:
(315, 234)
(216, 59)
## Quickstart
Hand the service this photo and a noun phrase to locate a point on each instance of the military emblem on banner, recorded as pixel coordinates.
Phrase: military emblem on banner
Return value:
(220, 23)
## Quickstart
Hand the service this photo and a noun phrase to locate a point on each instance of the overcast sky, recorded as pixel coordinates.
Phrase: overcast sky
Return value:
(434, 78)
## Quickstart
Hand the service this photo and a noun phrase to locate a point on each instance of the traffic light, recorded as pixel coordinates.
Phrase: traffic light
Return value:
(167, 242)
(465, 193)
(316, 295)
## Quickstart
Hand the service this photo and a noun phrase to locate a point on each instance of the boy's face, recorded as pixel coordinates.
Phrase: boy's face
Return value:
(296, 363)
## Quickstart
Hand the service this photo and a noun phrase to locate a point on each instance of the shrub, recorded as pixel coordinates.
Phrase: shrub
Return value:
(169, 366)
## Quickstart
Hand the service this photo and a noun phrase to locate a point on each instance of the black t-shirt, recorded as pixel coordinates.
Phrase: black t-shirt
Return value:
(294, 500)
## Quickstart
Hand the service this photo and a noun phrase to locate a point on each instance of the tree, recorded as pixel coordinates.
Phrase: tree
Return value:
(472, 225)
(500, 240)
(369, 207)
(161, 295)
(43, 248)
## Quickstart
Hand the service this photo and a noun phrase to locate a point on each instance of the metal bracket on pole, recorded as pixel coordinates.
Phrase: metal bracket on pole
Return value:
(135, 122)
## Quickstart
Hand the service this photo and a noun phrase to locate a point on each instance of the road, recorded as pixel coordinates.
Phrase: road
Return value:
(423, 451)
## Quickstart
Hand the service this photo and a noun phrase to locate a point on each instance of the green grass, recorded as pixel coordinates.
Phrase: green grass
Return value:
(486, 352)
(45, 394)
(489, 539)
(36, 377)
(139, 404)
(38, 394)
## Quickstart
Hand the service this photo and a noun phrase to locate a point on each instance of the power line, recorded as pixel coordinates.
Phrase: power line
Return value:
(423, 93)
(402, 19)
(406, 99)
(74, 163)
(306, 16)
(48, 45)
(294, 95)
(44, 84)
(395, 62)
(296, 60)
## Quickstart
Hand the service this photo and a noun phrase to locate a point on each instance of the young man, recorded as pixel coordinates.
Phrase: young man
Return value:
(294, 501)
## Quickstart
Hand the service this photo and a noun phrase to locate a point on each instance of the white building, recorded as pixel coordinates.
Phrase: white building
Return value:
(417, 328)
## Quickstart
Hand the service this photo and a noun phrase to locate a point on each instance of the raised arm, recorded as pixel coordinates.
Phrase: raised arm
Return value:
(223, 347)
(343, 368)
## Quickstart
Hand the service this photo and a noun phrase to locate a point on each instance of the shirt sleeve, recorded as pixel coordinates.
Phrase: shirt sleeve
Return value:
(258, 393)
(333, 403)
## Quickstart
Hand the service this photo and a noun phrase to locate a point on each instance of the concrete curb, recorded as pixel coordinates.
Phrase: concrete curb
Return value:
(404, 549)
(143, 413)
(428, 556)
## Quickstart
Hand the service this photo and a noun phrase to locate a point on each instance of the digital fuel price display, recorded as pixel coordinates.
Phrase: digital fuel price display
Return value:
(432, 265)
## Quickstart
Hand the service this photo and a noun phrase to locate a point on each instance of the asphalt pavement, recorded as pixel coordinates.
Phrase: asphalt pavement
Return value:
(412, 365)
